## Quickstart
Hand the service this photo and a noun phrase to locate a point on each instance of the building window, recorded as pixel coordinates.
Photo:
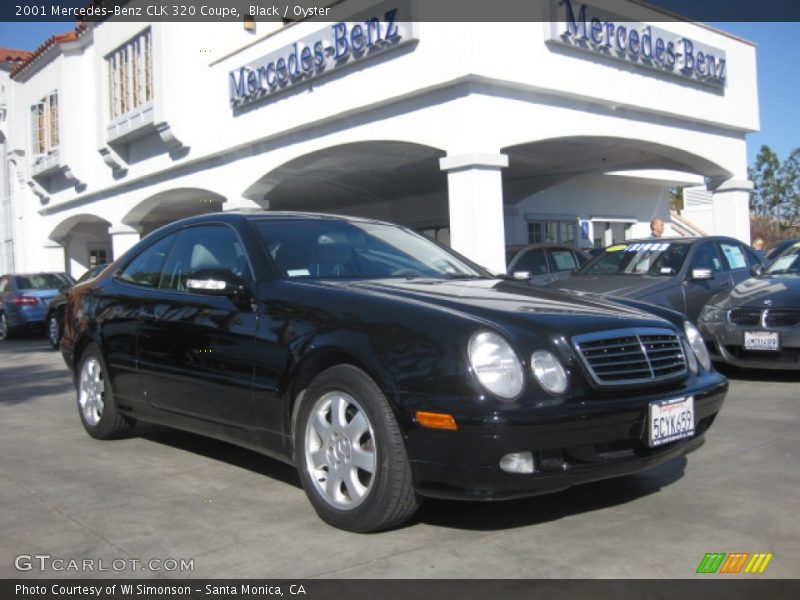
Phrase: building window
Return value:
(97, 257)
(551, 232)
(44, 124)
(130, 75)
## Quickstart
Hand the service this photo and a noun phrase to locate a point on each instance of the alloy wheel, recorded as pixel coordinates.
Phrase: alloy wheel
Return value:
(340, 450)
(91, 391)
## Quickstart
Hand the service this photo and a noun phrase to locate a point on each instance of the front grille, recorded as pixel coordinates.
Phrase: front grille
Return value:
(781, 318)
(770, 317)
(631, 356)
(745, 316)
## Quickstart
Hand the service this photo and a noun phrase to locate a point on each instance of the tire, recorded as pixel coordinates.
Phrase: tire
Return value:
(5, 330)
(346, 427)
(54, 330)
(96, 406)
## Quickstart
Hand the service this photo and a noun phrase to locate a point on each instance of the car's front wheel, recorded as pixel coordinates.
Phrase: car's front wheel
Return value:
(350, 453)
(54, 330)
(98, 410)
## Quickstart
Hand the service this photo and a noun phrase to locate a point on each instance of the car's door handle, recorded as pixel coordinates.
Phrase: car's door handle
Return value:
(147, 316)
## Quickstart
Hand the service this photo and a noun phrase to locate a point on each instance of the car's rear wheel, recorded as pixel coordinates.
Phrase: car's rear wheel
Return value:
(350, 453)
(5, 330)
(54, 330)
(96, 405)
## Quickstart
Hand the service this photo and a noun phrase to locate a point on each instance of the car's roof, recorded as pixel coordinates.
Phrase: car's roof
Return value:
(258, 214)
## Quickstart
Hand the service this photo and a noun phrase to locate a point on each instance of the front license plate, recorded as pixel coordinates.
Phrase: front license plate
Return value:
(762, 340)
(671, 420)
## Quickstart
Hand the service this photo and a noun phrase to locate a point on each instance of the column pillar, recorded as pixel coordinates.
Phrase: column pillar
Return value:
(475, 195)
(54, 257)
(730, 204)
(239, 202)
(123, 238)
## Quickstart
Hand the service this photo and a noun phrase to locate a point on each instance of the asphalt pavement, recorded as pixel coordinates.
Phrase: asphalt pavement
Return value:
(205, 509)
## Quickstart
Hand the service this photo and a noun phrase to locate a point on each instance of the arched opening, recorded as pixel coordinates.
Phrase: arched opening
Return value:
(595, 191)
(394, 181)
(86, 242)
(172, 205)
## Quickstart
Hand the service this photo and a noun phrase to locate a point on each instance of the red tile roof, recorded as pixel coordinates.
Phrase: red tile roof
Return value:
(14, 55)
(59, 38)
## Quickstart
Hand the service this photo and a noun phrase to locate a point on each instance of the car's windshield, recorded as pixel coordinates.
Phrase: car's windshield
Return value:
(44, 281)
(339, 249)
(787, 262)
(663, 259)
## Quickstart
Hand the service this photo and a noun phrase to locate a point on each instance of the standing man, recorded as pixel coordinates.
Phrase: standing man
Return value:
(657, 227)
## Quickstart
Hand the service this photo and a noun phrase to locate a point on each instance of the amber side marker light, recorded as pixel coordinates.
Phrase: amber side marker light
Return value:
(436, 420)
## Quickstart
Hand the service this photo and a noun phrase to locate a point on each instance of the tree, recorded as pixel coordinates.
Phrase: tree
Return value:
(776, 185)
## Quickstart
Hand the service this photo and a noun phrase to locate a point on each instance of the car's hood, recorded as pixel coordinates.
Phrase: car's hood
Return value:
(767, 291)
(500, 301)
(629, 286)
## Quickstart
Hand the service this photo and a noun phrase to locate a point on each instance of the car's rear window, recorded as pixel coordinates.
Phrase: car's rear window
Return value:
(44, 281)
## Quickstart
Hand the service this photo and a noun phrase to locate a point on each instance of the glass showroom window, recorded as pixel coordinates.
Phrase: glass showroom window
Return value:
(551, 232)
(130, 75)
(44, 124)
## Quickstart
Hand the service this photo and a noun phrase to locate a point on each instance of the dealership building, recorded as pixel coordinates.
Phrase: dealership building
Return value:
(571, 127)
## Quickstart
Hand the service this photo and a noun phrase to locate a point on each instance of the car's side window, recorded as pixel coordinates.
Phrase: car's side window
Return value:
(533, 261)
(203, 247)
(737, 256)
(562, 259)
(707, 257)
(3, 284)
(146, 268)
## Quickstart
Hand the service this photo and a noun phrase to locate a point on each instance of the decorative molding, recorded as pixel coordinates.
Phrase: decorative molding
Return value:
(113, 160)
(44, 196)
(473, 160)
(168, 136)
(70, 176)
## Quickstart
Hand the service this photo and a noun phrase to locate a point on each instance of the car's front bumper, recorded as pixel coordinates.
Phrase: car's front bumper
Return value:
(725, 342)
(570, 445)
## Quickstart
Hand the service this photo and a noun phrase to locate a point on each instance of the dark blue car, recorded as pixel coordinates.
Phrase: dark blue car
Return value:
(24, 298)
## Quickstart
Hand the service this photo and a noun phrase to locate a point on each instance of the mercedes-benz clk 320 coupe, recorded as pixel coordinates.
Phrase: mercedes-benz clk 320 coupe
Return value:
(384, 366)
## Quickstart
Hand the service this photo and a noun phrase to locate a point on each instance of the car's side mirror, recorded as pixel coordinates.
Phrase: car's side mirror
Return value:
(215, 282)
(521, 275)
(757, 269)
(701, 275)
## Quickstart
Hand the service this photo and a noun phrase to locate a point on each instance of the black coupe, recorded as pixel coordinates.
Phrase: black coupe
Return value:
(384, 366)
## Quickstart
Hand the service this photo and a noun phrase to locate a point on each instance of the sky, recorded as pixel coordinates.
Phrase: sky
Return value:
(778, 46)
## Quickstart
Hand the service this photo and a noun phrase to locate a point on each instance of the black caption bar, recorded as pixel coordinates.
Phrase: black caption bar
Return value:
(713, 588)
(337, 10)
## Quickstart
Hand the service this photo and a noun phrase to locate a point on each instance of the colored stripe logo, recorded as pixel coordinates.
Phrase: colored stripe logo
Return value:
(733, 563)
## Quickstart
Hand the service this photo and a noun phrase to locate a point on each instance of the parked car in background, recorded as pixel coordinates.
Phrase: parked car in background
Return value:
(757, 323)
(677, 273)
(24, 298)
(385, 367)
(55, 308)
(779, 247)
(543, 263)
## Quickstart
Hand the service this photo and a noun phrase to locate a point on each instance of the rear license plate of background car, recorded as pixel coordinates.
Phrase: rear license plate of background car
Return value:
(670, 420)
(762, 340)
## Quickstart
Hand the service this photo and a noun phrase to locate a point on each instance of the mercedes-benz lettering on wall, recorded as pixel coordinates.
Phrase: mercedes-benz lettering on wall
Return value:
(384, 366)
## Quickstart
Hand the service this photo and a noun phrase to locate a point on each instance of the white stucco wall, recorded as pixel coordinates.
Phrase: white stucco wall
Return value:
(463, 88)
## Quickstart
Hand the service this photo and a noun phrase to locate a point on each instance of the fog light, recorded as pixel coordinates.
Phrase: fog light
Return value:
(517, 462)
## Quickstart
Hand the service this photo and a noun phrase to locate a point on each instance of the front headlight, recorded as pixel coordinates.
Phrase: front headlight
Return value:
(697, 345)
(712, 314)
(496, 365)
(548, 372)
